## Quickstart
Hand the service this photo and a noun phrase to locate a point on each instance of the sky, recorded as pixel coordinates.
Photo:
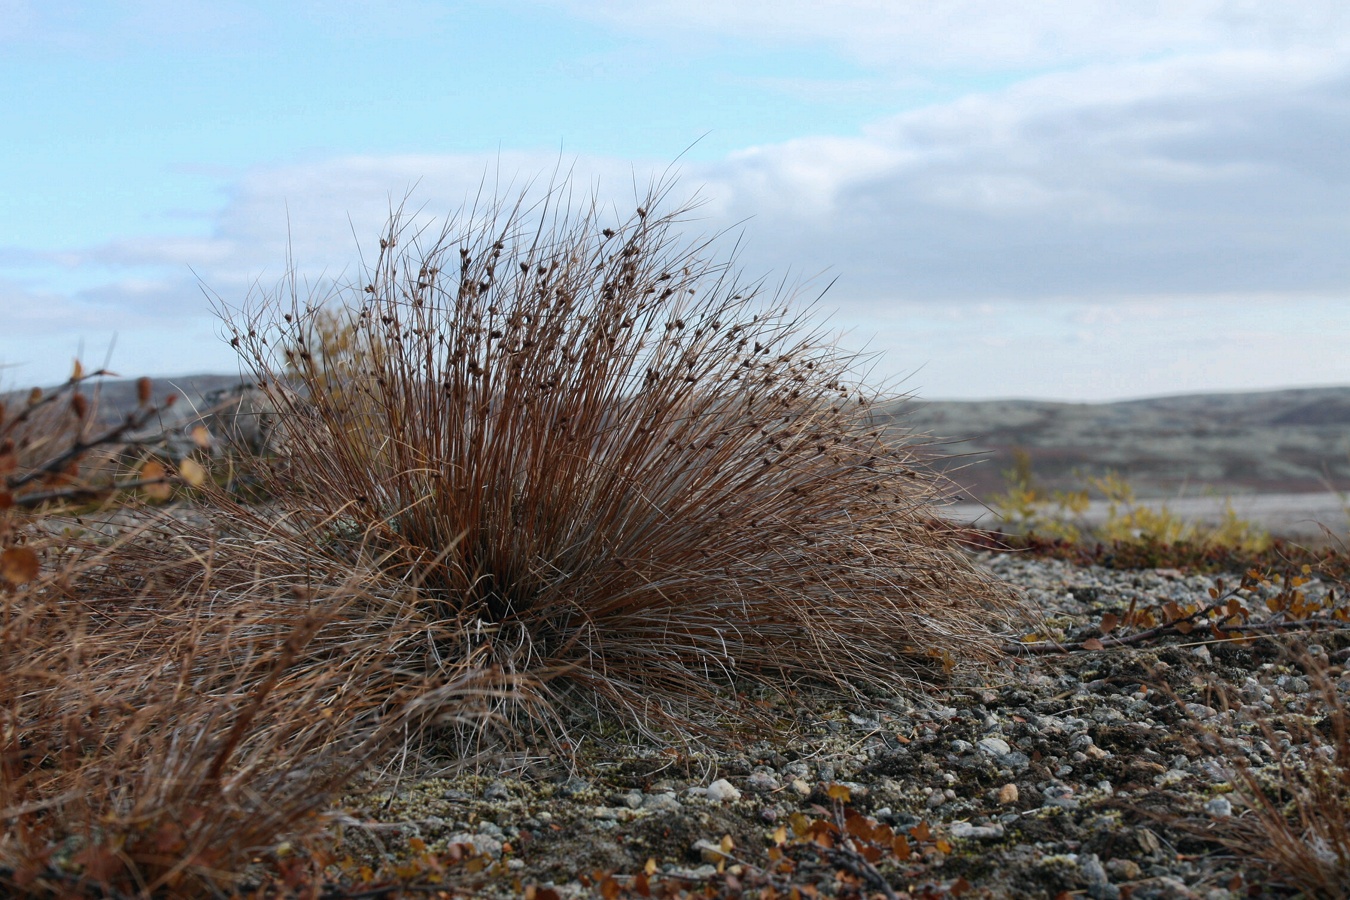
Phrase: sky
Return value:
(1081, 200)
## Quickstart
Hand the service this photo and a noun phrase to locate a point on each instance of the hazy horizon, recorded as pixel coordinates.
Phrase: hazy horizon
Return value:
(8, 385)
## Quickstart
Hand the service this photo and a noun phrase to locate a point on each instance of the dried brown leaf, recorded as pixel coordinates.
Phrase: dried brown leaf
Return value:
(153, 471)
(18, 565)
(192, 472)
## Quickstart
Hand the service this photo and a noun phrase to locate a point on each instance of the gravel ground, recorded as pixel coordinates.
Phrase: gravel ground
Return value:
(1050, 774)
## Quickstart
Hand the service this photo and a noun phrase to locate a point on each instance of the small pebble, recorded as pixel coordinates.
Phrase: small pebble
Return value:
(969, 832)
(1060, 795)
(1099, 886)
(709, 851)
(994, 746)
(721, 790)
(663, 801)
(1219, 807)
(762, 783)
(1123, 869)
(483, 843)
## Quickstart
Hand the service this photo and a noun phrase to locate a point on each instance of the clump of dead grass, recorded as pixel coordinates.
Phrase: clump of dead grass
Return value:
(606, 462)
(176, 699)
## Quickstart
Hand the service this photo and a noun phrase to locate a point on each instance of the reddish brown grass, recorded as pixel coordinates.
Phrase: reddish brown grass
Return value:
(175, 699)
(599, 456)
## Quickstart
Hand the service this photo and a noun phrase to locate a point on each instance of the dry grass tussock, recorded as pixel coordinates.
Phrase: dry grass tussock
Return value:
(540, 459)
(174, 703)
(604, 462)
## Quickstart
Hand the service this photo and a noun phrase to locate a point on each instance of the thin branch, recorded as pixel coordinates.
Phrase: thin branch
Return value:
(846, 854)
(28, 501)
(134, 419)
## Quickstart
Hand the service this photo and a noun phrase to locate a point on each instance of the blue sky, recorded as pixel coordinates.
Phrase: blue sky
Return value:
(1079, 200)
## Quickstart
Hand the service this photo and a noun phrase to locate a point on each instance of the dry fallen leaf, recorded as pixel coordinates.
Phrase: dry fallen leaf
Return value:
(18, 565)
(192, 472)
(153, 471)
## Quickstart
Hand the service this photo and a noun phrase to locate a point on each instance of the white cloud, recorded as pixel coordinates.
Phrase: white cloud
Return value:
(991, 34)
(1148, 178)
(1213, 173)
(1197, 184)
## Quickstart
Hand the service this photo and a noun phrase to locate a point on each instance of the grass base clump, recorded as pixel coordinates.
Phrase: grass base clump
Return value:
(176, 699)
(607, 464)
(168, 717)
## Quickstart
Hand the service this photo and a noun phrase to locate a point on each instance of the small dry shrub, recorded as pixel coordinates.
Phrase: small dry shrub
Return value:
(174, 700)
(1027, 508)
(600, 456)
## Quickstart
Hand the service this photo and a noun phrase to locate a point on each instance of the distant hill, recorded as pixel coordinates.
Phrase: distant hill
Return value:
(1287, 441)
(1270, 442)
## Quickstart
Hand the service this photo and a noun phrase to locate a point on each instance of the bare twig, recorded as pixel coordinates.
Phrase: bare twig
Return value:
(91, 492)
(846, 854)
(135, 419)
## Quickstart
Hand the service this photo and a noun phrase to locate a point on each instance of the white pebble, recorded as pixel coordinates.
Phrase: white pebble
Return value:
(721, 789)
(994, 746)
